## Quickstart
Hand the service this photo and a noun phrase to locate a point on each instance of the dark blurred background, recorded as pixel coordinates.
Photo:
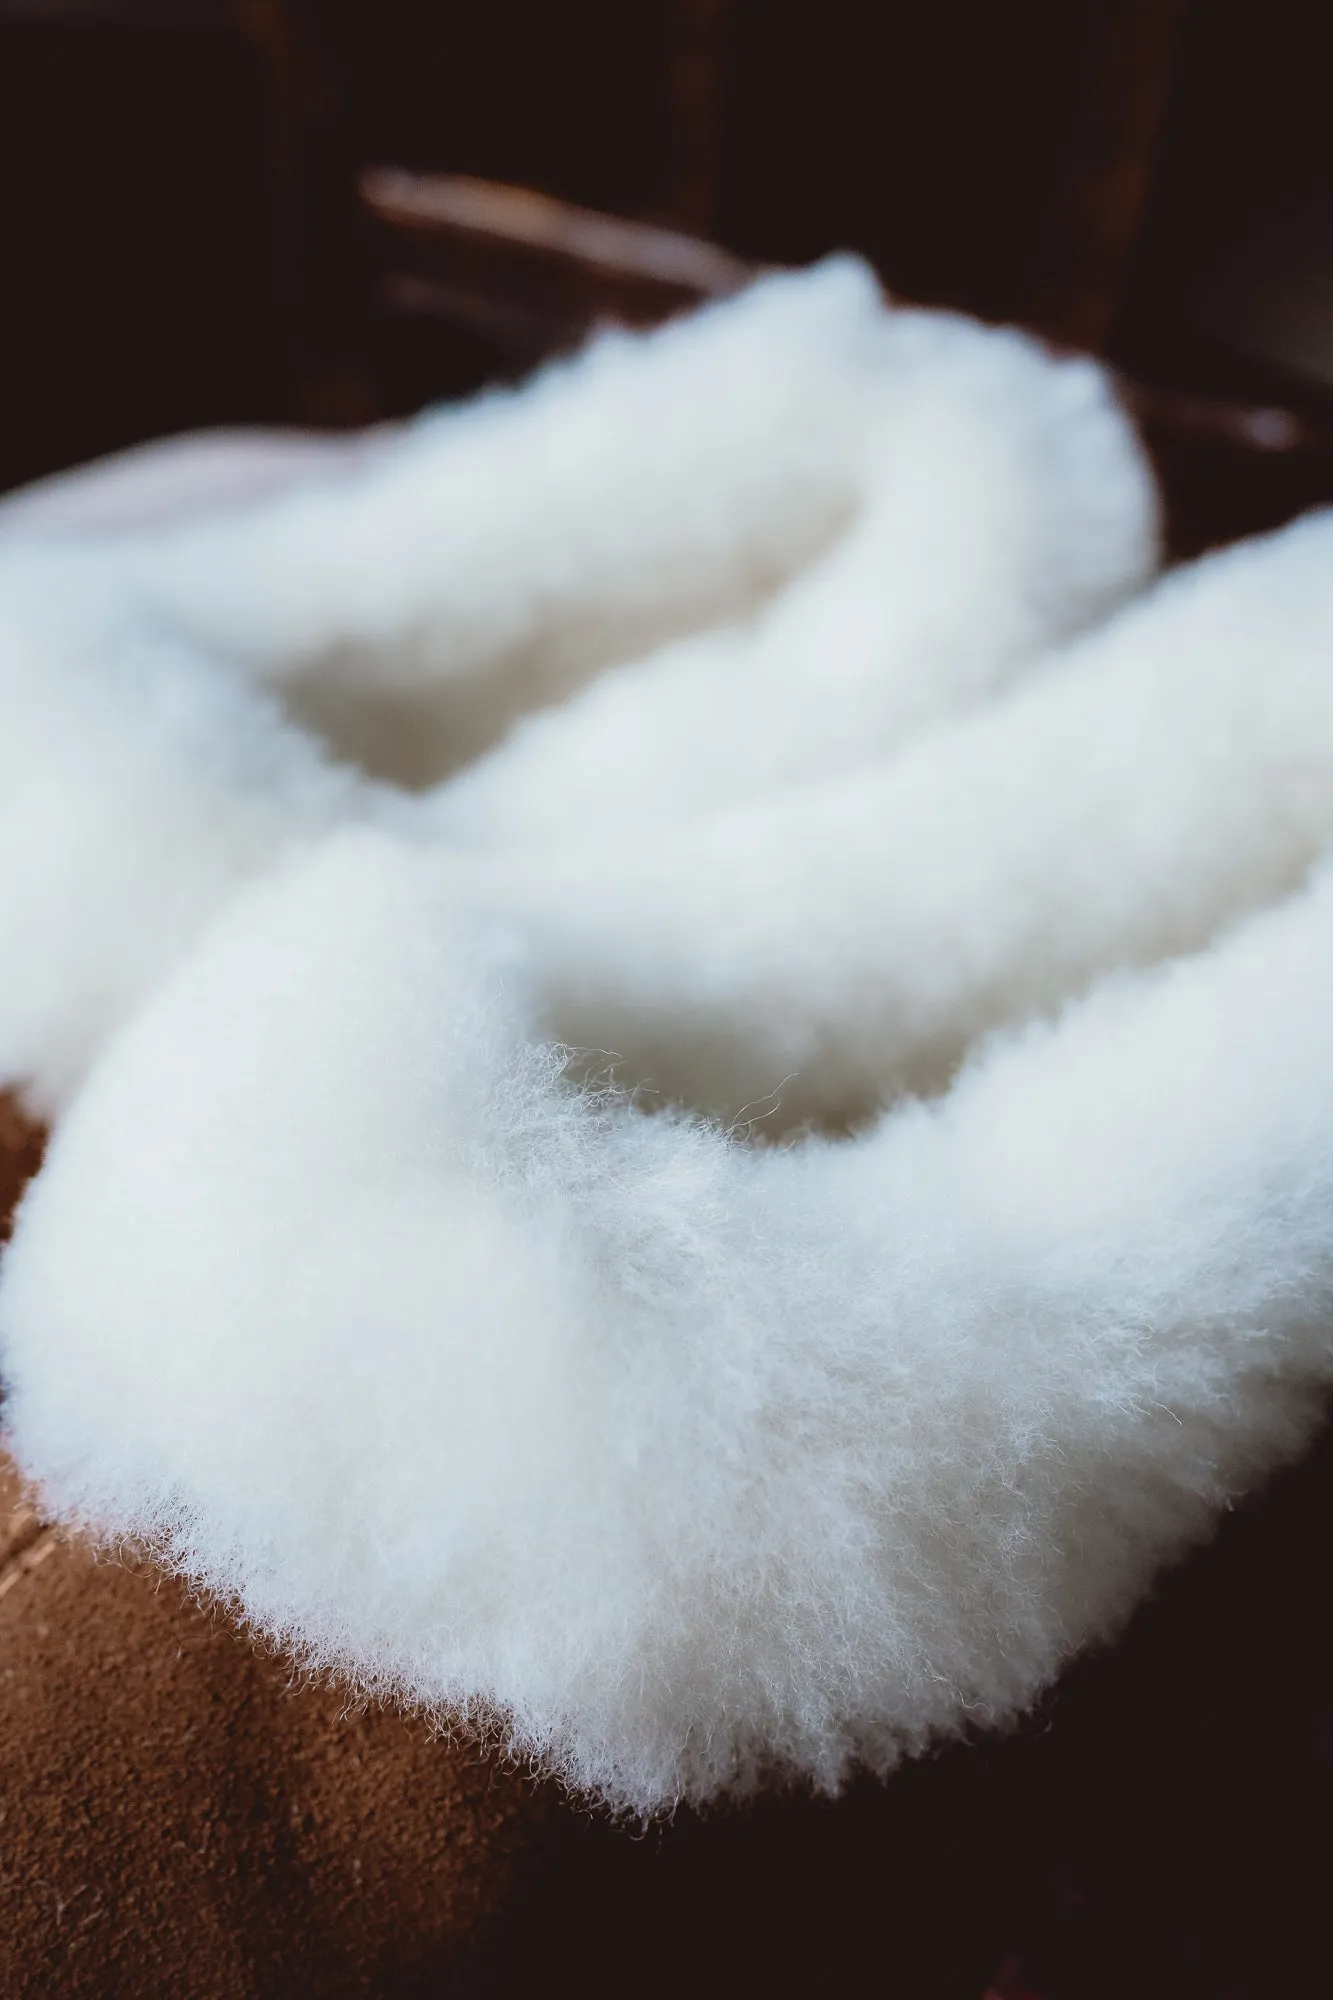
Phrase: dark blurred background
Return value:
(183, 243)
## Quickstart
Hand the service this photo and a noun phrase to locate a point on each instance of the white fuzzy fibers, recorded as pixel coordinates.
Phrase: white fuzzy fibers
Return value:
(689, 1462)
(815, 954)
(865, 519)
(683, 1463)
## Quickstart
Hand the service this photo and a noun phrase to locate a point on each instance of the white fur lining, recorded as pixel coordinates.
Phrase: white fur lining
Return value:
(931, 502)
(691, 1463)
(682, 1462)
(813, 955)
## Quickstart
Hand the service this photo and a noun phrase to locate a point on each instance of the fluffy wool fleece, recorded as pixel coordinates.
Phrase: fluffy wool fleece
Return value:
(683, 1463)
(693, 1462)
(862, 520)
(811, 955)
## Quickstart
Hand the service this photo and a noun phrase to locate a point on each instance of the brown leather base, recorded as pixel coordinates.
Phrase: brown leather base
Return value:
(22, 1144)
(178, 1819)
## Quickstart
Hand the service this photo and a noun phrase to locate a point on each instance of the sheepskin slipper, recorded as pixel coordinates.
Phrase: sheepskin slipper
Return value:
(685, 1465)
(886, 514)
(814, 956)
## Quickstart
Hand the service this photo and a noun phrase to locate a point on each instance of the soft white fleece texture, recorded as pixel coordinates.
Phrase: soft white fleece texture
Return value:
(939, 501)
(688, 1463)
(813, 956)
(682, 1463)
(1003, 506)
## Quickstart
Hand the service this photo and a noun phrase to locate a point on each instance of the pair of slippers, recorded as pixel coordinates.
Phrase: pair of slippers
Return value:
(687, 1032)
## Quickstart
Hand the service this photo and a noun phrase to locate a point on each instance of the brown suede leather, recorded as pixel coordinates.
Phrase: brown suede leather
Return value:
(21, 1146)
(177, 1819)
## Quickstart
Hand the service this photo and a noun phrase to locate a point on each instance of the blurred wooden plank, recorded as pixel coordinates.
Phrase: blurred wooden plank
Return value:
(1105, 175)
(695, 92)
(532, 273)
(460, 207)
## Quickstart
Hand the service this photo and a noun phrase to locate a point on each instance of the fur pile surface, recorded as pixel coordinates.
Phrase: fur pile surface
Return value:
(683, 1462)
(867, 516)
